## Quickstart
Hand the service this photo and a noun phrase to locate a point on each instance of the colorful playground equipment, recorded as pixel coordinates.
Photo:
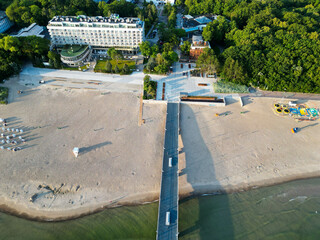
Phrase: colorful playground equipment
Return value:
(298, 111)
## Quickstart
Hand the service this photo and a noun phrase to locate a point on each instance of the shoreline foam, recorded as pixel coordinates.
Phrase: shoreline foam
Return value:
(40, 215)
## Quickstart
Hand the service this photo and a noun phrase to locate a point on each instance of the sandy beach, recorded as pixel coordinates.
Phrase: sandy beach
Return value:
(120, 162)
(244, 147)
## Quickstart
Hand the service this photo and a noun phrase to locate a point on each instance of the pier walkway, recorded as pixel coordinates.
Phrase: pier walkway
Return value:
(168, 204)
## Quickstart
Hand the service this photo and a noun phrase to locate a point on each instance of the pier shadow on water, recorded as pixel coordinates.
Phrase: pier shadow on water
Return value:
(207, 220)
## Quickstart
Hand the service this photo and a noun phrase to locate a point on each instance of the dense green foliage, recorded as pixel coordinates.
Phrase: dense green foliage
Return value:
(115, 66)
(208, 61)
(158, 63)
(4, 4)
(171, 12)
(271, 44)
(108, 67)
(170, 35)
(185, 47)
(4, 92)
(115, 54)
(14, 50)
(54, 59)
(147, 50)
(149, 88)
(25, 12)
(216, 30)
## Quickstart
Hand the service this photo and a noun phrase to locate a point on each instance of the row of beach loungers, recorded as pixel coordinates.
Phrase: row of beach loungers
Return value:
(12, 138)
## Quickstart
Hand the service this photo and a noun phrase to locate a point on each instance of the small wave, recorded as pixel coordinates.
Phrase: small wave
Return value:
(282, 195)
(299, 198)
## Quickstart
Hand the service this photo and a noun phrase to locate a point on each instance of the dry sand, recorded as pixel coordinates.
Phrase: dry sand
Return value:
(119, 161)
(242, 150)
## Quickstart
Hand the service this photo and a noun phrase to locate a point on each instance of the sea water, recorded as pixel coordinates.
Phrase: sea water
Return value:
(287, 211)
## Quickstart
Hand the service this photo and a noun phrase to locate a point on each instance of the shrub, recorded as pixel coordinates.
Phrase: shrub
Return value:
(224, 86)
(149, 88)
(4, 92)
(116, 69)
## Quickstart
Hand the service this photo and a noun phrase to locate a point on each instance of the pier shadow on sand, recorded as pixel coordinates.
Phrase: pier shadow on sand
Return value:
(212, 222)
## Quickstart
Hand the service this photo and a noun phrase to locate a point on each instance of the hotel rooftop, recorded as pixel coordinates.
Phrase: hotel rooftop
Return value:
(113, 19)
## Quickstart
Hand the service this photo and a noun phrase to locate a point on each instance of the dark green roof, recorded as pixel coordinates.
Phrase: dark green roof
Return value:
(73, 51)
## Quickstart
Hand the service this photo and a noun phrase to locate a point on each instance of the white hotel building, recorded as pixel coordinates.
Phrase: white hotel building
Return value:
(100, 33)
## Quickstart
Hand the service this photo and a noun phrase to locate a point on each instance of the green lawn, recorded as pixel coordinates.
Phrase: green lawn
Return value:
(4, 92)
(75, 68)
(101, 64)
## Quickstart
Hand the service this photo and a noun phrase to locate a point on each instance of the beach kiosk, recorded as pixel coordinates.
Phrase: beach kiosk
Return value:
(76, 151)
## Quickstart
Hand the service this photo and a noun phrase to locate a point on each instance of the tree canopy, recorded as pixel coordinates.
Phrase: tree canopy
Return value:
(14, 50)
(274, 44)
(24, 12)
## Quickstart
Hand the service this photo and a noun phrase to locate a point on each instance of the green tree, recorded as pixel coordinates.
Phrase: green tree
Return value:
(108, 67)
(111, 51)
(10, 43)
(170, 57)
(208, 61)
(151, 64)
(125, 69)
(114, 54)
(233, 71)
(54, 59)
(149, 87)
(216, 30)
(172, 19)
(159, 59)
(155, 50)
(185, 47)
(167, 47)
(145, 48)
(116, 69)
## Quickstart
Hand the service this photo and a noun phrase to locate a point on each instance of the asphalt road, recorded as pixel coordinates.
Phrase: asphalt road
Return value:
(169, 182)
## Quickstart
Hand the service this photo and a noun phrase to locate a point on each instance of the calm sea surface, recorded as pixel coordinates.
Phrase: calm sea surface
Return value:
(288, 211)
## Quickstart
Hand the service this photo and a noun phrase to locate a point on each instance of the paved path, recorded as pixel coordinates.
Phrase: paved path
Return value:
(177, 82)
(169, 181)
(134, 78)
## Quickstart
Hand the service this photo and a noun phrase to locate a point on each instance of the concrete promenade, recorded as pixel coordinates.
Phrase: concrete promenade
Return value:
(169, 181)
